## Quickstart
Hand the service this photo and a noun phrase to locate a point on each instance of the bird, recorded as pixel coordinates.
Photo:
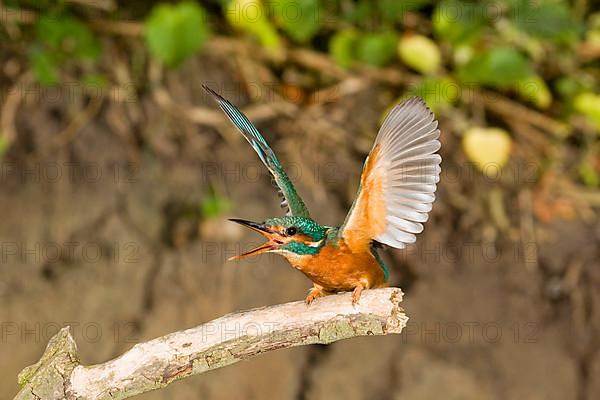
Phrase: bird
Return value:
(395, 195)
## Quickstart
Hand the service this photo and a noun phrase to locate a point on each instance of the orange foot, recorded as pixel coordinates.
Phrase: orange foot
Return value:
(313, 294)
(356, 294)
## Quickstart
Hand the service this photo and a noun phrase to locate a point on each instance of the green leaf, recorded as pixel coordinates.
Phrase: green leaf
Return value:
(360, 12)
(300, 19)
(214, 205)
(44, 66)
(438, 93)
(588, 174)
(377, 48)
(96, 80)
(66, 37)
(342, 47)
(174, 32)
(502, 66)
(550, 19)
(60, 38)
(393, 10)
(458, 22)
(569, 86)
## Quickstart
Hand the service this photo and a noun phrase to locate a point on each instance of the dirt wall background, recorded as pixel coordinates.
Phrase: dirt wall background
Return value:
(103, 229)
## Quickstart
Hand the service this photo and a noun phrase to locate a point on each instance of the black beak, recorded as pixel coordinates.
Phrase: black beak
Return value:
(264, 230)
(252, 225)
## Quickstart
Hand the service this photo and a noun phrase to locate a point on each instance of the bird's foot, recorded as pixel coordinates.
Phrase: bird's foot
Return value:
(356, 294)
(313, 294)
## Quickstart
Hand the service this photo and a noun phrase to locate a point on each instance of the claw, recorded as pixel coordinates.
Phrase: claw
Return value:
(313, 294)
(356, 294)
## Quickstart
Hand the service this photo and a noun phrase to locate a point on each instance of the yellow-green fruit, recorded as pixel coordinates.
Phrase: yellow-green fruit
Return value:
(251, 16)
(535, 90)
(588, 104)
(342, 47)
(420, 53)
(488, 148)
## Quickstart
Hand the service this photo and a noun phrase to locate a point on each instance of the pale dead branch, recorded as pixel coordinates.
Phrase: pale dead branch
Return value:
(155, 364)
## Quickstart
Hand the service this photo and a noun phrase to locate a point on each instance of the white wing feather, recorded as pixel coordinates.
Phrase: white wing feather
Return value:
(409, 168)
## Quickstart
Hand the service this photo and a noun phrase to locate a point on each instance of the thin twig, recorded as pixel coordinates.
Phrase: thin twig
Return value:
(9, 110)
(79, 122)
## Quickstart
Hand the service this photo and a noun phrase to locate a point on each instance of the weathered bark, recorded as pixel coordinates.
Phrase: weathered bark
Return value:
(231, 338)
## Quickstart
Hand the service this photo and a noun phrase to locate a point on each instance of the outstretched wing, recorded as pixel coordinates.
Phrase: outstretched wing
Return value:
(398, 181)
(291, 199)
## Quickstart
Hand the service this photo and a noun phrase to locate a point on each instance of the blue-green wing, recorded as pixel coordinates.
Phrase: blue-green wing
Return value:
(291, 199)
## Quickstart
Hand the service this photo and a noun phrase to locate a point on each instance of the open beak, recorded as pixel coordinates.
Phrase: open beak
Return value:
(272, 243)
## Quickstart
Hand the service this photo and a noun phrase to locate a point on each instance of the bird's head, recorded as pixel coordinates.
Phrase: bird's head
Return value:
(290, 236)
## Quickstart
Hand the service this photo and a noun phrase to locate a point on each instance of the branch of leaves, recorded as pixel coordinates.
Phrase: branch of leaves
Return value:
(174, 32)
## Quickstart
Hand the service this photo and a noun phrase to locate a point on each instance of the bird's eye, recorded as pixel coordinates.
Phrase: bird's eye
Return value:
(291, 231)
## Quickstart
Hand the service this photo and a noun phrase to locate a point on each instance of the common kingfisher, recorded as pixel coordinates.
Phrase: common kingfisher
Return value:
(395, 195)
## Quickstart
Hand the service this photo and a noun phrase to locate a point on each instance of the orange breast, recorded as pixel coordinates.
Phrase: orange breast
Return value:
(339, 269)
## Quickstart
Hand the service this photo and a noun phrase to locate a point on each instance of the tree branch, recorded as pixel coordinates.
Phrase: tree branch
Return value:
(223, 341)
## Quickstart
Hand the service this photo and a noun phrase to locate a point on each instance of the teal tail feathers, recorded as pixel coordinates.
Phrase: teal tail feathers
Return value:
(292, 200)
(252, 135)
